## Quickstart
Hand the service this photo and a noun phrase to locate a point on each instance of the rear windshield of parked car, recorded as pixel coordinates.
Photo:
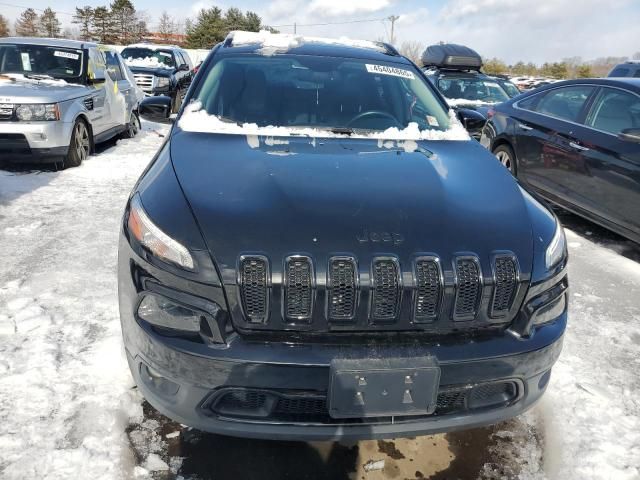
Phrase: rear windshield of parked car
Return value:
(41, 61)
(473, 89)
(319, 92)
(147, 57)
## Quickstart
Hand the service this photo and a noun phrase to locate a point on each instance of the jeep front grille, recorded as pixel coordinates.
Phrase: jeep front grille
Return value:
(428, 278)
(468, 288)
(342, 285)
(298, 288)
(254, 288)
(144, 81)
(386, 289)
(506, 284)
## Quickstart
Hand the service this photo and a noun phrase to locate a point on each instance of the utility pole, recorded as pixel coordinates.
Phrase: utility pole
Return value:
(393, 19)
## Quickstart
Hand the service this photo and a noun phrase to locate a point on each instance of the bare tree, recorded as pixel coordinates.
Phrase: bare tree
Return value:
(412, 50)
(4, 27)
(166, 26)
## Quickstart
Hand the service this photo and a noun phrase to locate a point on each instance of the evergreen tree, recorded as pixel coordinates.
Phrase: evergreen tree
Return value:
(49, 24)
(125, 21)
(584, 71)
(102, 25)
(207, 30)
(4, 27)
(27, 24)
(84, 18)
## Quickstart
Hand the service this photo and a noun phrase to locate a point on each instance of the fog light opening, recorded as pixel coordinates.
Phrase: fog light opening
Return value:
(493, 395)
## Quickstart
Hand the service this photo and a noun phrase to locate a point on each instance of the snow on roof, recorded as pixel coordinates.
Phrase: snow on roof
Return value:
(454, 102)
(18, 77)
(273, 43)
(151, 46)
(195, 119)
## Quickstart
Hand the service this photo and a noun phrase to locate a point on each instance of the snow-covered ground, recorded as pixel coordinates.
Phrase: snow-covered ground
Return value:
(68, 408)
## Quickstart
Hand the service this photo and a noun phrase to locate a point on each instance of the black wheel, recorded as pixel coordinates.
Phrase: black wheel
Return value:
(133, 127)
(80, 145)
(504, 154)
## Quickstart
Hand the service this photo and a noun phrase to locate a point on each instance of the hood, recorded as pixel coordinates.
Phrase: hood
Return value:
(159, 72)
(38, 91)
(321, 197)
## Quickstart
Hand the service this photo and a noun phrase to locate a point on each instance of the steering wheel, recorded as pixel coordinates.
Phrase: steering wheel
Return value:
(373, 113)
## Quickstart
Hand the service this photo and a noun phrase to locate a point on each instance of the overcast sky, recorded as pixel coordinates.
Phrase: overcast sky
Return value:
(528, 30)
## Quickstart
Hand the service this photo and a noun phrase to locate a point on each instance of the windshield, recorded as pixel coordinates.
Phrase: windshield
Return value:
(41, 61)
(472, 90)
(147, 57)
(319, 92)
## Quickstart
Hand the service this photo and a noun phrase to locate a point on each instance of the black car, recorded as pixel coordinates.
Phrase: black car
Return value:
(577, 143)
(626, 69)
(455, 71)
(160, 70)
(319, 251)
(508, 86)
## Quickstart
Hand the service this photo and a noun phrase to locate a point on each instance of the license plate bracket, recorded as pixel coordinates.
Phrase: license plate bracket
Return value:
(383, 387)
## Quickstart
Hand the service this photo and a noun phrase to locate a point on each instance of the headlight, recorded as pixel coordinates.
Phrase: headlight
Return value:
(154, 239)
(557, 248)
(162, 82)
(38, 112)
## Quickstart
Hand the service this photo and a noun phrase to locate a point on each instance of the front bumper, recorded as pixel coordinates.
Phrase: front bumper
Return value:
(186, 375)
(34, 141)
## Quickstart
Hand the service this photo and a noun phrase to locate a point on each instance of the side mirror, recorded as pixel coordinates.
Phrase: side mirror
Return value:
(630, 135)
(473, 121)
(156, 109)
(183, 68)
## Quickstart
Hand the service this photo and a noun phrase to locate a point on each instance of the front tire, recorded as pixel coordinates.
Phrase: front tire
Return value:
(133, 127)
(79, 146)
(504, 154)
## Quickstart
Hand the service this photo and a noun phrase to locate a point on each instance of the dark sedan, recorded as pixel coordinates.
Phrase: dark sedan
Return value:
(577, 143)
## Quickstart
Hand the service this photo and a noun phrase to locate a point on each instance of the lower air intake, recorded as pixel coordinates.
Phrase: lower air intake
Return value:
(386, 289)
(468, 288)
(298, 288)
(254, 288)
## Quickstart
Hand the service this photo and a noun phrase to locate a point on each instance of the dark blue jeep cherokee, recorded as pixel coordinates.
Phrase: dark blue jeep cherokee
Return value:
(319, 251)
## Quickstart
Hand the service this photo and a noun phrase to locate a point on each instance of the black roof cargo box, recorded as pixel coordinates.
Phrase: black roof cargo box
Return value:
(451, 56)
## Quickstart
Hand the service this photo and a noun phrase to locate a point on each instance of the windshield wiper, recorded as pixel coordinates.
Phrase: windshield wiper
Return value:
(342, 130)
(38, 76)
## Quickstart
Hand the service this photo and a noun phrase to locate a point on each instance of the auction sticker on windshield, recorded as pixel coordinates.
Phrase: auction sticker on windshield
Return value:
(393, 71)
(73, 56)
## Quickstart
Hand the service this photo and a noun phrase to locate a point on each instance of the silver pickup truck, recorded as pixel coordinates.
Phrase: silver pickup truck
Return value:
(59, 98)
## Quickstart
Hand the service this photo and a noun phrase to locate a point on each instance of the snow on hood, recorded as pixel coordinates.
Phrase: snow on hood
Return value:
(195, 119)
(273, 43)
(18, 77)
(146, 62)
(454, 102)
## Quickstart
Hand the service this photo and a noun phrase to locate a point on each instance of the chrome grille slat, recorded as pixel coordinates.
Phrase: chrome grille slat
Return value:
(342, 288)
(298, 288)
(428, 279)
(386, 297)
(254, 288)
(144, 81)
(468, 287)
(506, 284)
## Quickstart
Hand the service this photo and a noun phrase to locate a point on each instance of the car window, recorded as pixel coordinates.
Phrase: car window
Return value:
(179, 59)
(113, 66)
(619, 72)
(319, 92)
(473, 89)
(637, 74)
(614, 110)
(565, 102)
